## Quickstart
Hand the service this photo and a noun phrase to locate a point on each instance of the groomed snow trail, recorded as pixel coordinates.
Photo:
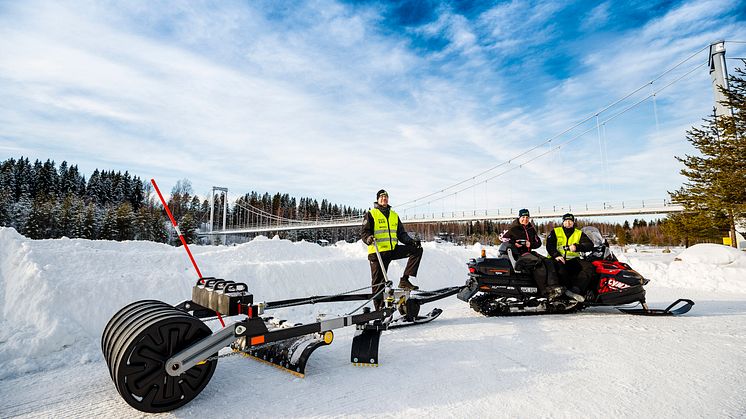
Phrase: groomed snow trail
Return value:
(595, 363)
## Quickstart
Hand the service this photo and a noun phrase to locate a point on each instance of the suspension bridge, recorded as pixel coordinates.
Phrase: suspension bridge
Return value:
(264, 222)
(256, 221)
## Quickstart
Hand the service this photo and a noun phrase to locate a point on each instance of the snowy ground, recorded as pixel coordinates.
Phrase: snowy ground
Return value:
(57, 295)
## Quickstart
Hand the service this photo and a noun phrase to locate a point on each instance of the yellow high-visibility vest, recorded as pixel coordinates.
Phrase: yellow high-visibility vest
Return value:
(384, 230)
(562, 241)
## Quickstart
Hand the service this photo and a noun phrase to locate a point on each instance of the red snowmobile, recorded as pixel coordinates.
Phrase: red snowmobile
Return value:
(495, 286)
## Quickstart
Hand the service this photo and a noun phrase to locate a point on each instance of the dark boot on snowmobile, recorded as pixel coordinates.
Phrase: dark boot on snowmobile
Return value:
(554, 292)
(406, 285)
(575, 294)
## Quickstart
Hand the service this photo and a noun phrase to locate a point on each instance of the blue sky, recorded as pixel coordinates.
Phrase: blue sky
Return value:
(339, 99)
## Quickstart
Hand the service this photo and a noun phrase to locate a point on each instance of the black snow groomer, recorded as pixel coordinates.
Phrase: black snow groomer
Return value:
(160, 356)
(495, 286)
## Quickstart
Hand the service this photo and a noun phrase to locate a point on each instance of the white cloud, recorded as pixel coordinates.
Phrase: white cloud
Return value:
(317, 102)
(596, 17)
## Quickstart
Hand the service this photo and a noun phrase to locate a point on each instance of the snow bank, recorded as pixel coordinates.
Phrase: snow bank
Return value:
(57, 295)
(709, 267)
(713, 254)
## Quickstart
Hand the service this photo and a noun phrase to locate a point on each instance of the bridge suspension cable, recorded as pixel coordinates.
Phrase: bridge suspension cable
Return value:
(562, 144)
(414, 202)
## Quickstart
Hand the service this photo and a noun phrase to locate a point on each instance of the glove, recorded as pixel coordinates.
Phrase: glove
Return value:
(417, 243)
(369, 240)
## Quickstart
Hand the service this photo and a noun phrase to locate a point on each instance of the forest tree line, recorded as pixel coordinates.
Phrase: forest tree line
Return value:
(43, 201)
(485, 232)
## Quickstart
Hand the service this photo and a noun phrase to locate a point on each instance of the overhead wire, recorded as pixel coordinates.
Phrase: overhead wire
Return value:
(549, 140)
(564, 143)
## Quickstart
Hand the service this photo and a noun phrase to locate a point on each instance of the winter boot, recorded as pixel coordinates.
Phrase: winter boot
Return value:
(406, 285)
(554, 292)
(574, 293)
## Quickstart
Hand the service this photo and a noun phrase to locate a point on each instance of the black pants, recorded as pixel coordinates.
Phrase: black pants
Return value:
(576, 273)
(541, 268)
(401, 251)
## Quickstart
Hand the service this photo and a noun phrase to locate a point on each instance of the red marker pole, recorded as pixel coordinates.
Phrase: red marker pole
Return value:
(183, 240)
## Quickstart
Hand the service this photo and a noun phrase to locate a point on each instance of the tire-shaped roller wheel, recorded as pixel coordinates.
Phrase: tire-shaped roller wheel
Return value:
(139, 361)
(117, 318)
(120, 351)
(133, 328)
(128, 325)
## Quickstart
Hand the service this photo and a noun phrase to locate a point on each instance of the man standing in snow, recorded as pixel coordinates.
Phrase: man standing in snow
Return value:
(382, 227)
(522, 235)
(564, 245)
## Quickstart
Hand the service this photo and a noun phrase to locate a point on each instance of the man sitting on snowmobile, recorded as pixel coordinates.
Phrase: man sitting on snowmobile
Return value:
(522, 235)
(564, 245)
(382, 226)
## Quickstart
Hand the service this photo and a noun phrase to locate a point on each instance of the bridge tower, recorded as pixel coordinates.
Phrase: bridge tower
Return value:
(719, 76)
(224, 192)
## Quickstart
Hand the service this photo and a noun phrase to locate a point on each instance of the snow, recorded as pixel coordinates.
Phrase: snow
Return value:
(57, 295)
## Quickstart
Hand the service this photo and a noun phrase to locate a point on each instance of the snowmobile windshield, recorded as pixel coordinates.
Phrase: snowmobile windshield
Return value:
(594, 235)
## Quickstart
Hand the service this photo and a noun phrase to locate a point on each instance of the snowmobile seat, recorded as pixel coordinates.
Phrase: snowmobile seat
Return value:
(511, 256)
(502, 251)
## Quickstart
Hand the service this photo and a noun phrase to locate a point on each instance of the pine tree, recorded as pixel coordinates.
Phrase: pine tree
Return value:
(93, 189)
(717, 177)
(688, 228)
(622, 234)
(88, 227)
(38, 224)
(125, 222)
(109, 225)
(6, 205)
(188, 227)
(67, 218)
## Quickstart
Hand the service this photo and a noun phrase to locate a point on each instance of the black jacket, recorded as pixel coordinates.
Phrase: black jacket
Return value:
(585, 245)
(368, 224)
(517, 231)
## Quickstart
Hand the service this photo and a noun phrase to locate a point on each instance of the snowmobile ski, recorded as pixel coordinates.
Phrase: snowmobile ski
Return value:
(404, 321)
(668, 311)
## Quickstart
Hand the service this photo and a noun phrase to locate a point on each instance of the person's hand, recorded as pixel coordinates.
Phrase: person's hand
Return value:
(560, 259)
(519, 243)
(369, 240)
(573, 247)
(528, 244)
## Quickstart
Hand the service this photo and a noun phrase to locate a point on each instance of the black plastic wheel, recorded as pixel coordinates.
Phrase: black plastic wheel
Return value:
(140, 371)
(116, 319)
(135, 332)
(133, 328)
(128, 324)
